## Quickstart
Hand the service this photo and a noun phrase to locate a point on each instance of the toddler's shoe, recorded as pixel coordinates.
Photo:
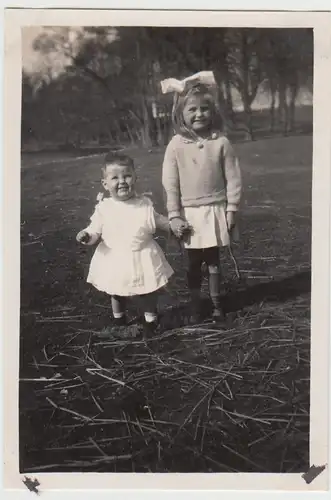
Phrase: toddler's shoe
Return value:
(114, 330)
(150, 328)
(122, 321)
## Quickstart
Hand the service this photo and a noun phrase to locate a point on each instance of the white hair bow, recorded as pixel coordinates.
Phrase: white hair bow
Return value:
(172, 85)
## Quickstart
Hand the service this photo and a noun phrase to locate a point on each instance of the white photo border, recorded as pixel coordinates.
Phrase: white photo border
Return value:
(15, 19)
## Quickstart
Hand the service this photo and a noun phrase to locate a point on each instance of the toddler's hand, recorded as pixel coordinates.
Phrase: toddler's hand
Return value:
(230, 220)
(178, 226)
(83, 237)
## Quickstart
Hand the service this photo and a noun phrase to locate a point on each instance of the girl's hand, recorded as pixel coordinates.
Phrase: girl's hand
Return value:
(83, 237)
(186, 234)
(178, 226)
(230, 220)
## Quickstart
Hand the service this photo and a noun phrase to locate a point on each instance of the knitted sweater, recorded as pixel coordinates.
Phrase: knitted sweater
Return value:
(194, 176)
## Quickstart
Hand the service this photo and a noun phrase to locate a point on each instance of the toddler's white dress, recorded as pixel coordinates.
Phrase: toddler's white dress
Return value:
(127, 261)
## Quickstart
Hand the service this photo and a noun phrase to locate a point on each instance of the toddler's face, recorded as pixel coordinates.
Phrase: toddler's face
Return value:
(197, 113)
(119, 180)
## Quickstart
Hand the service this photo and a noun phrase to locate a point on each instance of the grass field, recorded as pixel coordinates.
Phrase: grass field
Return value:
(194, 399)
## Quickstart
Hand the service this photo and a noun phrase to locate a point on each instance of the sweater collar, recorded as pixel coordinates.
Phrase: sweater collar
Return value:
(189, 140)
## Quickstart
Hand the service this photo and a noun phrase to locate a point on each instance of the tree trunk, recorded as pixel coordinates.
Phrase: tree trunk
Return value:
(142, 87)
(145, 128)
(245, 86)
(293, 88)
(282, 104)
(228, 98)
(130, 134)
(285, 113)
(273, 91)
(159, 134)
(249, 122)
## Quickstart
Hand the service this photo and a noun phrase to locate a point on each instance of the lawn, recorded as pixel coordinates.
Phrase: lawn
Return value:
(194, 399)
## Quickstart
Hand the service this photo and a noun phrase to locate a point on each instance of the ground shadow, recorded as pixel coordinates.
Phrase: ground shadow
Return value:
(273, 291)
(241, 296)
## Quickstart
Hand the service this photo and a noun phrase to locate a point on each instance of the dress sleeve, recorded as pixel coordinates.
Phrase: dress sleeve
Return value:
(155, 220)
(161, 222)
(95, 227)
(170, 181)
(232, 176)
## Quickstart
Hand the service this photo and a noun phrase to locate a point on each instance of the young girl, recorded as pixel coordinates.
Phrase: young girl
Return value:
(202, 182)
(127, 261)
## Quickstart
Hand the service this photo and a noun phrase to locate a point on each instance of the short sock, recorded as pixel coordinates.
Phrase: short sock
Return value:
(118, 315)
(150, 317)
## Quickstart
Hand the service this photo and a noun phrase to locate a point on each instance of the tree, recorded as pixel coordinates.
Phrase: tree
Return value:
(287, 62)
(111, 76)
(245, 68)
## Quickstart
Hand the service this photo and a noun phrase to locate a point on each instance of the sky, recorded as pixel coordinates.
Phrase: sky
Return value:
(30, 58)
(53, 63)
(33, 61)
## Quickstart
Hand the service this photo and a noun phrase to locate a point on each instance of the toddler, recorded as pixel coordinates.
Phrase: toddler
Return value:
(128, 261)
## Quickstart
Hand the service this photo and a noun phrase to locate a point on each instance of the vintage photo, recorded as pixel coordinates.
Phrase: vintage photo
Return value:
(166, 178)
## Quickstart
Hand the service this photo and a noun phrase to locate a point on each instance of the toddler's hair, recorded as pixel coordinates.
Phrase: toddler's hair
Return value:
(113, 158)
(211, 95)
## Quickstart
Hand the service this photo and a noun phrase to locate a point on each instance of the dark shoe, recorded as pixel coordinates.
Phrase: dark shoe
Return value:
(120, 321)
(114, 330)
(195, 318)
(218, 317)
(123, 332)
(195, 313)
(150, 328)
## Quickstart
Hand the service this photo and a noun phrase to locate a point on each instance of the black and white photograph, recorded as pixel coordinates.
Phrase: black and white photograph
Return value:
(178, 341)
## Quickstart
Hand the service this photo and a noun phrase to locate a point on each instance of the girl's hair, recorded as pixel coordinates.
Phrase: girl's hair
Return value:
(112, 158)
(210, 94)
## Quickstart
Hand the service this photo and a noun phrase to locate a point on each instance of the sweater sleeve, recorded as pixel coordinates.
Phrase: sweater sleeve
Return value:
(170, 181)
(232, 176)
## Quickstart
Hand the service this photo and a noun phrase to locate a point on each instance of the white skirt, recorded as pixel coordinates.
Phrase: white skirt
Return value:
(126, 272)
(209, 225)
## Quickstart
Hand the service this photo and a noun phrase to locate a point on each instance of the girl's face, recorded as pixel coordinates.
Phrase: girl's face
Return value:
(197, 114)
(119, 181)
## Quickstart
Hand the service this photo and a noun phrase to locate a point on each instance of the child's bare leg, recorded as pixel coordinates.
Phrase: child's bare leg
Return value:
(118, 304)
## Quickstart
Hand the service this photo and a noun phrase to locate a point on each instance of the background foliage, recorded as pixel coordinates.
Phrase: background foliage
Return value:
(101, 85)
